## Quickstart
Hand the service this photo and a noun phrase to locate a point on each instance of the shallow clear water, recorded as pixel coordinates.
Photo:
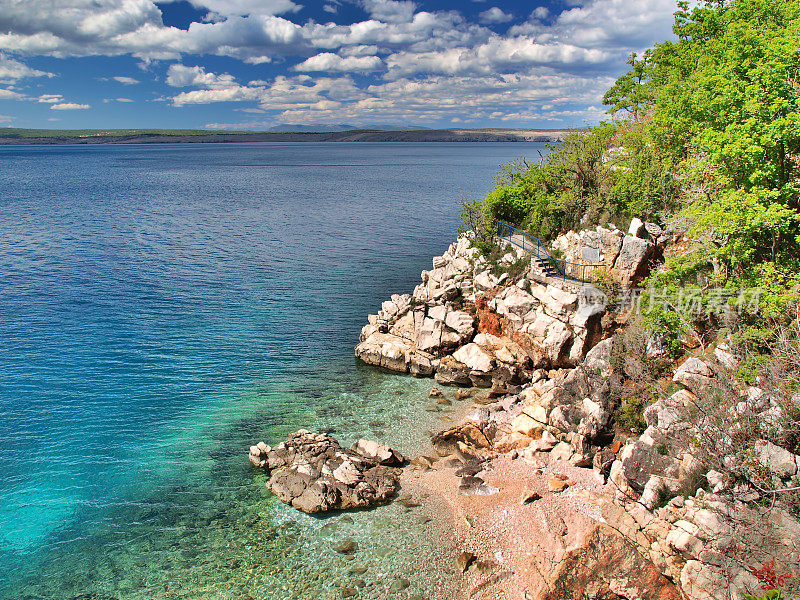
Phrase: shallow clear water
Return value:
(162, 308)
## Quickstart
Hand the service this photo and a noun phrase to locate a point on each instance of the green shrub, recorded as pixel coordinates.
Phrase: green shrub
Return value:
(630, 415)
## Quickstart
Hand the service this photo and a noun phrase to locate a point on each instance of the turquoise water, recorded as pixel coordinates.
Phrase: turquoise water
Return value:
(162, 308)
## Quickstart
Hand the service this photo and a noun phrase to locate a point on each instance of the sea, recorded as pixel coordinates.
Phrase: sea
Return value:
(164, 307)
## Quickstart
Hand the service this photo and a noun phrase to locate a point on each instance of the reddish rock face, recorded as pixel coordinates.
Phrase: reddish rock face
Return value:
(607, 566)
(488, 320)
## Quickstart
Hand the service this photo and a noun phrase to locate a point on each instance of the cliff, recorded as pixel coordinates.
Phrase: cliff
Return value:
(555, 495)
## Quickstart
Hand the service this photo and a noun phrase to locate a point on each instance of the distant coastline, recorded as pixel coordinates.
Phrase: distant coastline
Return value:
(156, 136)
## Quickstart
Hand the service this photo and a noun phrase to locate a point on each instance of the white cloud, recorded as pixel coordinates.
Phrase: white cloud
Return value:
(234, 93)
(495, 15)
(542, 95)
(219, 88)
(9, 94)
(434, 30)
(390, 11)
(327, 61)
(63, 28)
(226, 8)
(6, 119)
(498, 54)
(616, 24)
(362, 50)
(124, 100)
(12, 70)
(540, 12)
(330, 8)
(183, 76)
(437, 65)
(69, 106)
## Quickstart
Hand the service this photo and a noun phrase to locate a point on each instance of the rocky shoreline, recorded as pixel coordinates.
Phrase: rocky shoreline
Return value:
(550, 499)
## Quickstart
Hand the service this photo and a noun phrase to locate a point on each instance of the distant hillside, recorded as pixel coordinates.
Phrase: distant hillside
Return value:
(177, 136)
(319, 128)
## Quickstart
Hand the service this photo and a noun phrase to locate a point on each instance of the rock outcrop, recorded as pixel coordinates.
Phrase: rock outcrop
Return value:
(626, 258)
(468, 327)
(313, 473)
(633, 516)
(651, 531)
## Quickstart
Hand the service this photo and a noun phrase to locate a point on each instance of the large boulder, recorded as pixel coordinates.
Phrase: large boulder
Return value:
(385, 350)
(637, 463)
(777, 460)
(590, 246)
(633, 259)
(313, 473)
(695, 375)
(598, 359)
(452, 372)
(557, 302)
(475, 357)
(470, 436)
(669, 414)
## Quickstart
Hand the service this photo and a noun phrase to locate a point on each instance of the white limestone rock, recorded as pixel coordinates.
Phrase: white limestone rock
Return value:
(474, 357)
(778, 460)
(695, 375)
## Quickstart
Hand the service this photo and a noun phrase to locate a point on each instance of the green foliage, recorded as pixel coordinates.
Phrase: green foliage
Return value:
(644, 182)
(723, 101)
(475, 219)
(516, 269)
(584, 180)
(512, 203)
(770, 595)
(630, 92)
(630, 415)
(707, 139)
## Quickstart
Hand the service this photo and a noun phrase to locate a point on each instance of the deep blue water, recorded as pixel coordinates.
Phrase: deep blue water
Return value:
(162, 308)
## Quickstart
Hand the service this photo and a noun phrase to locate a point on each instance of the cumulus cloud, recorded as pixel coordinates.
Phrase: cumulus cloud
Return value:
(9, 94)
(233, 93)
(327, 61)
(50, 98)
(361, 50)
(218, 87)
(226, 8)
(495, 15)
(390, 11)
(540, 12)
(183, 76)
(498, 54)
(69, 106)
(463, 99)
(606, 24)
(13, 70)
(64, 28)
(412, 64)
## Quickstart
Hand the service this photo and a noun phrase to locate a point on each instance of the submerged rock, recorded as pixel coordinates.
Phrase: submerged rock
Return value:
(313, 473)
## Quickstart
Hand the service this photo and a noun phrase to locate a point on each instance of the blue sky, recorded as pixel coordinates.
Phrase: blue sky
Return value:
(254, 64)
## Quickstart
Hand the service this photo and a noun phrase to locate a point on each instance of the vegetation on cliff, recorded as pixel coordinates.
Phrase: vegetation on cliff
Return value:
(704, 142)
(705, 139)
